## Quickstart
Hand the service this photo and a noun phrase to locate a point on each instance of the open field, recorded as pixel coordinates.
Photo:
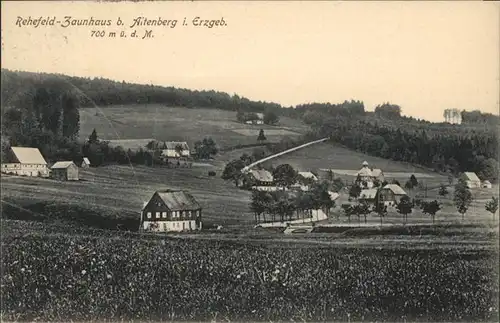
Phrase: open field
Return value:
(179, 124)
(123, 189)
(332, 156)
(60, 277)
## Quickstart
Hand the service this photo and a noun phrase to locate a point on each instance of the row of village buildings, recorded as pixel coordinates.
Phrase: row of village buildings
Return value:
(177, 210)
(28, 161)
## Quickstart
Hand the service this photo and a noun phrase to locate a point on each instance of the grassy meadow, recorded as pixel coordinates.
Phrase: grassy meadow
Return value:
(121, 190)
(179, 124)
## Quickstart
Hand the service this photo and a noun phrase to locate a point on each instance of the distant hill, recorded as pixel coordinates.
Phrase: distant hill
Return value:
(46, 109)
(104, 92)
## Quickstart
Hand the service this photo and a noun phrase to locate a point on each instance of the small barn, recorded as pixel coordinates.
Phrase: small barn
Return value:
(64, 171)
(486, 184)
(85, 162)
(171, 210)
(471, 180)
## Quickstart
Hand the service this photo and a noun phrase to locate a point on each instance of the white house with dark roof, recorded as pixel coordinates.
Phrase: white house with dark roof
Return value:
(25, 161)
(171, 210)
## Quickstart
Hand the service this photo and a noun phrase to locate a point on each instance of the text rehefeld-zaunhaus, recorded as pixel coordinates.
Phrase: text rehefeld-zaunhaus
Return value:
(70, 21)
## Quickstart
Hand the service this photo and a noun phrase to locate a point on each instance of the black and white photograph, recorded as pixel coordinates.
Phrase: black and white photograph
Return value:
(250, 161)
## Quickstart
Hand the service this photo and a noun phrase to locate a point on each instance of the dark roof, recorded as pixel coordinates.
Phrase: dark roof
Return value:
(178, 200)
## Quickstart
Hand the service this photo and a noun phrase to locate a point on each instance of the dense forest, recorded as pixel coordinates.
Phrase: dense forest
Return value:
(472, 146)
(103, 92)
(41, 110)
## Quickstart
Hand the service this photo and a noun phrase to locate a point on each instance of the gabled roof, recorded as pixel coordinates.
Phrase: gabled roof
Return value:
(365, 171)
(86, 160)
(470, 176)
(28, 155)
(376, 172)
(173, 144)
(178, 200)
(368, 193)
(396, 189)
(307, 175)
(365, 163)
(262, 175)
(486, 182)
(62, 164)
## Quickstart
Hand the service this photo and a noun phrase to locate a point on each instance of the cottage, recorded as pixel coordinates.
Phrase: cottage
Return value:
(64, 171)
(258, 178)
(25, 161)
(171, 210)
(391, 194)
(175, 149)
(486, 184)
(85, 163)
(471, 180)
(368, 195)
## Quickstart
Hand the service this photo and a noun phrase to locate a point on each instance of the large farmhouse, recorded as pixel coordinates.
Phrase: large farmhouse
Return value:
(25, 161)
(64, 171)
(171, 210)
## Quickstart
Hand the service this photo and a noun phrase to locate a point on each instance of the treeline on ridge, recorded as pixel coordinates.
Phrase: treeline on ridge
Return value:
(104, 92)
(385, 133)
(41, 110)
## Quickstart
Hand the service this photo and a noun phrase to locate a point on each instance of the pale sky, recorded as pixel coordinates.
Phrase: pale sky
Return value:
(424, 56)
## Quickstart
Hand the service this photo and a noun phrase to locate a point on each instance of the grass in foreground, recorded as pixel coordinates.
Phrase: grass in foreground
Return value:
(62, 277)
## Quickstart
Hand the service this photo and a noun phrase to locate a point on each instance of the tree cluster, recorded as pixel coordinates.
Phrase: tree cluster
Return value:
(288, 204)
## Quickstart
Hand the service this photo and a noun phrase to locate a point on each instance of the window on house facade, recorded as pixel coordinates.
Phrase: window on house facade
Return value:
(164, 214)
(157, 215)
(149, 215)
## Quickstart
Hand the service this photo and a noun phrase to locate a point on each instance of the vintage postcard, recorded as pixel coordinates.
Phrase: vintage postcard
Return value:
(243, 161)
